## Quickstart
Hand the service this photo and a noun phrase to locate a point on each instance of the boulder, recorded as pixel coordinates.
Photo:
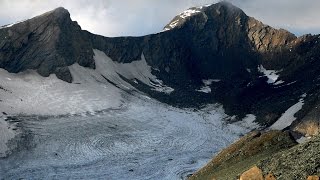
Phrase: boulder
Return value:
(313, 178)
(252, 174)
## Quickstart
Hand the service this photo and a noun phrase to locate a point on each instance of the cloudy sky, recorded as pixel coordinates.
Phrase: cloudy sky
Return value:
(140, 17)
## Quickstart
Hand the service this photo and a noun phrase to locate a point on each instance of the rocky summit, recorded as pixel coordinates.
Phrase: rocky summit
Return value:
(213, 54)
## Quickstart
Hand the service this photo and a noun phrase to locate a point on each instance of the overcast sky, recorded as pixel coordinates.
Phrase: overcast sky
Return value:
(140, 17)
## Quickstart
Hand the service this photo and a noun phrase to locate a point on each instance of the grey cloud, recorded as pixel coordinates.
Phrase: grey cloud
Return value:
(140, 17)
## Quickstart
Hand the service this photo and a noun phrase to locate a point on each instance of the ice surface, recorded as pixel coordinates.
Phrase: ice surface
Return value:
(144, 139)
(6, 133)
(288, 117)
(270, 74)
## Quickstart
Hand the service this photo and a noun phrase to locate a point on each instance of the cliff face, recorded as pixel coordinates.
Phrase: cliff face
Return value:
(256, 69)
(47, 43)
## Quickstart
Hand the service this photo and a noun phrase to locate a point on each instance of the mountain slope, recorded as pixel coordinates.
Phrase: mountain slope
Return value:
(213, 54)
(218, 42)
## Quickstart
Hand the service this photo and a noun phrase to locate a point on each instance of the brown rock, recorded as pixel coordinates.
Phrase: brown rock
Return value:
(252, 174)
(313, 178)
(270, 177)
(310, 126)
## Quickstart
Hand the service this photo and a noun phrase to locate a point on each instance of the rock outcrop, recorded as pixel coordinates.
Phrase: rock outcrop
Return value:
(313, 178)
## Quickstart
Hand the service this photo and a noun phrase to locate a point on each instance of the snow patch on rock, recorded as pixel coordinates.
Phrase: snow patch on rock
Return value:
(207, 82)
(189, 12)
(247, 122)
(184, 15)
(135, 70)
(279, 82)
(270, 74)
(303, 139)
(174, 24)
(288, 117)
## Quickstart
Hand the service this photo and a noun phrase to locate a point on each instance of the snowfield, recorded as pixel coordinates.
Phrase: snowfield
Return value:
(287, 118)
(93, 129)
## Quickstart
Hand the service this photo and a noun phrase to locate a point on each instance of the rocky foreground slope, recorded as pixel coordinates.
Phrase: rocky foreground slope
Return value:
(274, 154)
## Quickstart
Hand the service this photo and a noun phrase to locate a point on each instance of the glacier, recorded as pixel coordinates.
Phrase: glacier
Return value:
(95, 129)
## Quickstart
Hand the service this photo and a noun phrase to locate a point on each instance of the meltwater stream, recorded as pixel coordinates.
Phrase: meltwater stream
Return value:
(143, 139)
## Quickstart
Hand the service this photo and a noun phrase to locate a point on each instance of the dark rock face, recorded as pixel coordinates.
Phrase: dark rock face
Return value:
(45, 43)
(211, 42)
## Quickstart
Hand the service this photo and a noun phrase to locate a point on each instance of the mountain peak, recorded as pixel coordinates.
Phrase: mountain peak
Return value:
(46, 43)
(60, 10)
(207, 11)
(60, 14)
(226, 4)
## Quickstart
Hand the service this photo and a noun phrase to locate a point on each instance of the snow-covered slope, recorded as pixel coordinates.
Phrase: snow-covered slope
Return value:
(288, 117)
(29, 93)
(101, 126)
(92, 90)
(181, 18)
(136, 71)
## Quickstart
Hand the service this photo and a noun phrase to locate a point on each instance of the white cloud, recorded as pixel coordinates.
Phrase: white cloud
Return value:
(140, 17)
